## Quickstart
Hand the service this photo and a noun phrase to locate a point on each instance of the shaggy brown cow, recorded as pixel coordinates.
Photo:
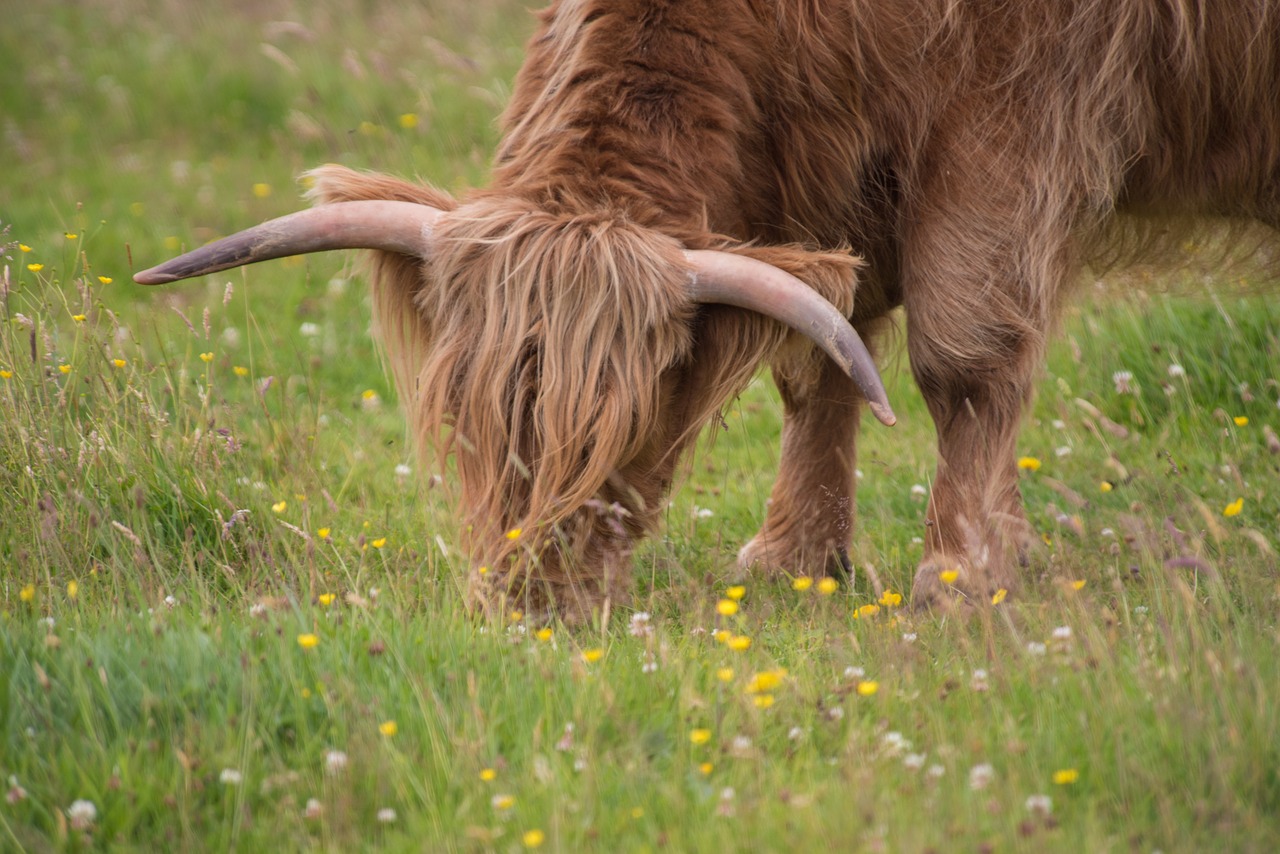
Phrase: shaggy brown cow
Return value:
(559, 333)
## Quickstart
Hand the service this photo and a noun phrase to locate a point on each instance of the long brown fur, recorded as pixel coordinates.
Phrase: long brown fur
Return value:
(974, 152)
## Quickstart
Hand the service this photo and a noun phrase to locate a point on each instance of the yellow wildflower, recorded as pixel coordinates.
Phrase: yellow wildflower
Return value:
(408, 121)
(261, 190)
(1066, 776)
(378, 543)
(70, 235)
(326, 599)
(736, 592)
(591, 656)
(706, 768)
(866, 611)
(308, 641)
(24, 247)
(722, 635)
(279, 506)
(533, 838)
(828, 585)
(35, 268)
(699, 736)
(1078, 584)
(28, 593)
(766, 681)
(240, 371)
(388, 728)
(323, 533)
(514, 534)
(949, 576)
(889, 599)
(206, 357)
(4, 374)
(544, 634)
(79, 318)
(739, 643)
(1234, 508)
(119, 363)
(1241, 420)
(1028, 464)
(802, 583)
(1105, 486)
(763, 701)
(725, 674)
(999, 596)
(106, 280)
(73, 589)
(503, 802)
(488, 775)
(726, 607)
(867, 687)
(66, 369)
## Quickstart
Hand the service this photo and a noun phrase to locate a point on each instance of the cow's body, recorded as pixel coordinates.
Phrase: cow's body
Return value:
(972, 153)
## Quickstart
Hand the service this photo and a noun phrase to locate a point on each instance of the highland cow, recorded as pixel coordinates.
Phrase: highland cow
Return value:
(687, 189)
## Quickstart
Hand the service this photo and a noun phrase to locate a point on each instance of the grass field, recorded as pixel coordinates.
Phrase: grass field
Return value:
(231, 612)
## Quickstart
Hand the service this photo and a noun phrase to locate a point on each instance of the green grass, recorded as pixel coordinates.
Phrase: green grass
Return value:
(183, 499)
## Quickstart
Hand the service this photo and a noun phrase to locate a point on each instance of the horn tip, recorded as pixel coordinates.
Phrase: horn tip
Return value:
(154, 276)
(883, 413)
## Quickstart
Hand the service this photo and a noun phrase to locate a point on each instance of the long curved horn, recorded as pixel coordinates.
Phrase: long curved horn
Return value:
(729, 279)
(404, 227)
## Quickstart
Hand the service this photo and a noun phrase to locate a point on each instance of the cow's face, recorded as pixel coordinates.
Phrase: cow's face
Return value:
(566, 363)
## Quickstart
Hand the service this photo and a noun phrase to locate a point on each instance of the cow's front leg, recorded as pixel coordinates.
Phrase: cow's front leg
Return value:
(975, 350)
(809, 521)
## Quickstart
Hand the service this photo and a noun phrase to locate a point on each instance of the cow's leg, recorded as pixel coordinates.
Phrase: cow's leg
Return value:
(978, 312)
(809, 521)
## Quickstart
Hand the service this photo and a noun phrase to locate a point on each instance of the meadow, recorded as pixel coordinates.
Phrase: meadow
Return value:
(231, 597)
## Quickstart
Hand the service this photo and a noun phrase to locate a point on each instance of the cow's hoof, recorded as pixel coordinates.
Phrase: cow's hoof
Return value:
(782, 558)
(944, 586)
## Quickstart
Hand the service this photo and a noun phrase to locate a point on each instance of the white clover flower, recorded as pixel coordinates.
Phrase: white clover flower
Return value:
(82, 814)
(1036, 648)
(403, 470)
(335, 761)
(935, 772)
(894, 743)
(918, 490)
(1039, 804)
(386, 815)
(313, 809)
(309, 330)
(230, 777)
(980, 776)
(978, 681)
(640, 624)
(1176, 371)
(1062, 633)
(1123, 381)
(854, 673)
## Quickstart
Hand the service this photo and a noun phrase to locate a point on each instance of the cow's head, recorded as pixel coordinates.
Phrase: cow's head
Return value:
(564, 359)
